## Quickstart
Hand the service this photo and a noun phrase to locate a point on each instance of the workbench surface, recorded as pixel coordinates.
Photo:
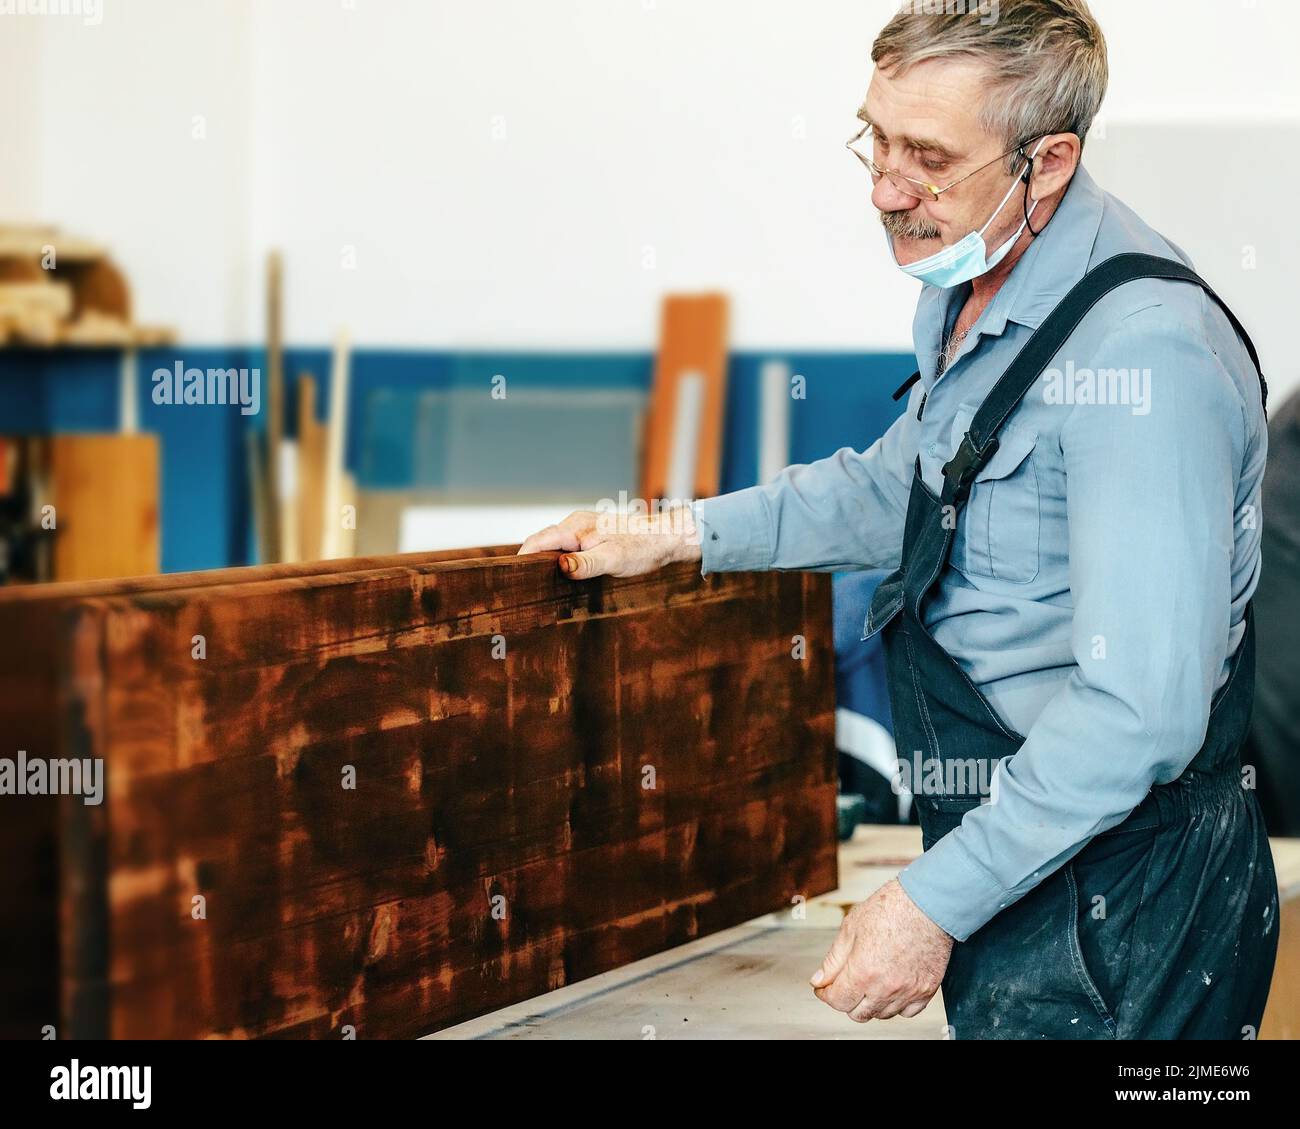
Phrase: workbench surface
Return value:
(751, 982)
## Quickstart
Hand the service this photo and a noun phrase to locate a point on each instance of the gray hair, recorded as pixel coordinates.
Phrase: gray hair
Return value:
(1046, 58)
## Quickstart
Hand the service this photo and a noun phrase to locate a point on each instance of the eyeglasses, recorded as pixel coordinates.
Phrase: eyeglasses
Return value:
(910, 186)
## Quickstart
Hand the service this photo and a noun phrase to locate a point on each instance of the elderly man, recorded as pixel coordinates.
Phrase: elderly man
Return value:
(1070, 505)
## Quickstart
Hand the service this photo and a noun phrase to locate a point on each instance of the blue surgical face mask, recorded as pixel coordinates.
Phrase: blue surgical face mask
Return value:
(968, 258)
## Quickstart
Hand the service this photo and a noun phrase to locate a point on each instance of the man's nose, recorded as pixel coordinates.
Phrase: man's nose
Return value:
(886, 197)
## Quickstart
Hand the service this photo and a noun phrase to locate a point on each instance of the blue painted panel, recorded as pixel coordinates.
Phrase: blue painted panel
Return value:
(23, 399)
(82, 393)
(43, 390)
(555, 370)
(204, 490)
(847, 404)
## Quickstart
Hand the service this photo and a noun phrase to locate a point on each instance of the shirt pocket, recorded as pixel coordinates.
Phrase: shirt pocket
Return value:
(998, 533)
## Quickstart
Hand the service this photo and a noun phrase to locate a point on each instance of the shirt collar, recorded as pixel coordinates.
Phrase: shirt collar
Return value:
(1053, 263)
(1046, 272)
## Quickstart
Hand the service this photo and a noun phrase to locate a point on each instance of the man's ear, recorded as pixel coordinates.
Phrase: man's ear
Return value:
(1055, 165)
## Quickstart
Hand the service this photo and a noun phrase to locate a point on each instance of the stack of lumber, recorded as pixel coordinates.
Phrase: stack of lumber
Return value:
(393, 794)
(58, 289)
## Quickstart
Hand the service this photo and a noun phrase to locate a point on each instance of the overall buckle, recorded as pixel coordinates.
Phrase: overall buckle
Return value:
(966, 464)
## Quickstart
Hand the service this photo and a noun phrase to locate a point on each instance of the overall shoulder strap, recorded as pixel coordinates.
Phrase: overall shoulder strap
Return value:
(980, 442)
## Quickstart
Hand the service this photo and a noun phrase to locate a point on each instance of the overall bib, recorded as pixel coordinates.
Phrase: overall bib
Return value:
(1186, 945)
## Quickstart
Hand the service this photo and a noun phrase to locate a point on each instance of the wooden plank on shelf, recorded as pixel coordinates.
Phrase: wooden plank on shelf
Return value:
(644, 763)
(31, 242)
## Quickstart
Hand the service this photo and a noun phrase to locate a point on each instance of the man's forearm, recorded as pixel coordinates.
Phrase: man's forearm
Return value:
(732, 533)
(840, 513)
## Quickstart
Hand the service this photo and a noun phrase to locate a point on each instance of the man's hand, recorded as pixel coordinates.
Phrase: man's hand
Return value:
(612, 544)
(888, 960)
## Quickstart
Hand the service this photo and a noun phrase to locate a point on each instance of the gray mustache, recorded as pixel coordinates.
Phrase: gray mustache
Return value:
(897, 223)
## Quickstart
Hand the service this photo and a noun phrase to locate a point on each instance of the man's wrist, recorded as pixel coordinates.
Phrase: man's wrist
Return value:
(685, 535)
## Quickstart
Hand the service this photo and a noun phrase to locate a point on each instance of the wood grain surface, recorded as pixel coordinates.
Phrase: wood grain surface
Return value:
(502, 724)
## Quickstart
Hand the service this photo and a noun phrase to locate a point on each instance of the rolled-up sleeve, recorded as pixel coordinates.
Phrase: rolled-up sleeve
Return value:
(1151, 508)
(841, 513)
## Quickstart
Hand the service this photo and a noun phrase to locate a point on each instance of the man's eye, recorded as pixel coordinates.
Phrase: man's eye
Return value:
(934, 166)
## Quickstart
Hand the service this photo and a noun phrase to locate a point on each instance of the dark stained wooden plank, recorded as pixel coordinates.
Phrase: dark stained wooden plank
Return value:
(26, 594)
(33, 639)
(514, 781)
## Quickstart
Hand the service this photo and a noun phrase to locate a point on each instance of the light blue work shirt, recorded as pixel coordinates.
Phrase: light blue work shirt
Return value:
(1102, 567)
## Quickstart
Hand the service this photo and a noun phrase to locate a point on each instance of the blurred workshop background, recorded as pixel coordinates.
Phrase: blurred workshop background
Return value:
(497, 261)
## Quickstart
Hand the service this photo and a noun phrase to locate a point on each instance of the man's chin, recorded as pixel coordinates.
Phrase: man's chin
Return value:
(908, 250)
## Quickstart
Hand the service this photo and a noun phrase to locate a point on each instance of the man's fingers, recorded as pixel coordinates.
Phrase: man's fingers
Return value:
(893, 1006)
(591, 548)
(549, 540)
(843, 994)
(867, 1009)
(583, 566)
(843, 982)
(886, 959)
(564, 536)
(901, 1005)
(836, 958)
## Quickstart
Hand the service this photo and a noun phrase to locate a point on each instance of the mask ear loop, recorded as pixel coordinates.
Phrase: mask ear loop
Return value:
(1028, 176)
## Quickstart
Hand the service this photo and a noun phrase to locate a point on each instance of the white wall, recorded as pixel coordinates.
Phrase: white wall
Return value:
(525, 174)
(1242, 244)
(21, 43)
(117, 153)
